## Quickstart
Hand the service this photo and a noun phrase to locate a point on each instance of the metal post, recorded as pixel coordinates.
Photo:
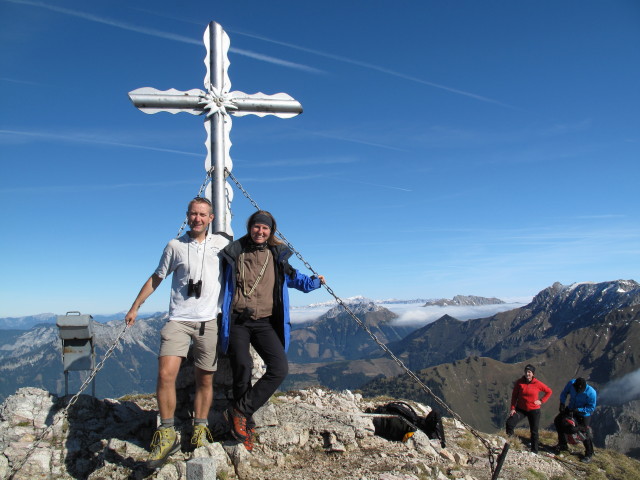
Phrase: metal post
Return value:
(217, 103)
(217, 147)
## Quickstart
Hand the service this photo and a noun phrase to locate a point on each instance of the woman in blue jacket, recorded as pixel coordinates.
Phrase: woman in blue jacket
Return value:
(582, 404)
(255, 311)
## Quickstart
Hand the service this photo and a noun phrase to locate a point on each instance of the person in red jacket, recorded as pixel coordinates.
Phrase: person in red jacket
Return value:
(526, 402)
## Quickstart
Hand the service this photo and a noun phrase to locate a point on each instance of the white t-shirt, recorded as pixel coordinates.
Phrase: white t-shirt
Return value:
(186, 259)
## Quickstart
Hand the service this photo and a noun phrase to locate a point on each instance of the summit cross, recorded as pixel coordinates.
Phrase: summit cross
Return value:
(217, 103)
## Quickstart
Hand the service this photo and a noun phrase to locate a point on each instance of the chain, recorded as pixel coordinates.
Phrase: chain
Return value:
(373, 336)
(72, 401)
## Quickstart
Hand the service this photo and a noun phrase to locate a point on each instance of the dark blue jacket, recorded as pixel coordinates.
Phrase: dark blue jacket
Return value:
(583, 403)
(285, 275)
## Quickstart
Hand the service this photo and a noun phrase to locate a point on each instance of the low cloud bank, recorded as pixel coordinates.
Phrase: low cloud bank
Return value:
(420, 316)
(621, 390)
(413, 314)
(307, 314)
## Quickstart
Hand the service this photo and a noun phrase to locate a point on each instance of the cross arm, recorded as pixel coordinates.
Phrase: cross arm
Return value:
(149, 100)
(280, 104)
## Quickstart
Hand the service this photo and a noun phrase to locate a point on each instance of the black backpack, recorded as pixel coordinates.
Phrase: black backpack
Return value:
(405, 422)
(397, 427)
(432, 426)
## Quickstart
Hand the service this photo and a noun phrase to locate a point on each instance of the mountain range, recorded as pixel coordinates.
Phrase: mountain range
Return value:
(584, 329)
(463, 300)
(589, 330)
(34, 358)
(30, 321)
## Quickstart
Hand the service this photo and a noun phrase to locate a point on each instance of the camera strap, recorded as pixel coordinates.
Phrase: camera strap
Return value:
(204, 252)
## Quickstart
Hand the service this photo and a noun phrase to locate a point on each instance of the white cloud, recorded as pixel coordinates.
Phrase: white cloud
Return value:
(414, 314)
(621, 390)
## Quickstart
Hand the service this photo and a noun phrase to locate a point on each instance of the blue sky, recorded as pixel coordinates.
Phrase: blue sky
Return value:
(463, 147)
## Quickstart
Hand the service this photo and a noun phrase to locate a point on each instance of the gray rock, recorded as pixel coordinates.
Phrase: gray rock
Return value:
(311, 434)
(202, 468)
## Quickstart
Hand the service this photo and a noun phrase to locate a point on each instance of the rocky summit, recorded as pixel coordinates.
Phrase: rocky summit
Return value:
(310, 434)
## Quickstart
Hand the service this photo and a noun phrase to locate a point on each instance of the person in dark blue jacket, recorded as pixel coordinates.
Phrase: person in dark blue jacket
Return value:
(255, 311)
(581, 406)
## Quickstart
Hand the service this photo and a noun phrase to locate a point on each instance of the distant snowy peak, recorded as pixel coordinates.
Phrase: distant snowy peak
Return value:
(620, 286)
(358, 308)
(359, 299)
(602, 296)
(464, 301)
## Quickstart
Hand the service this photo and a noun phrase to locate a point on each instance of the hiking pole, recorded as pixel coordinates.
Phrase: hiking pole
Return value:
(501, 458)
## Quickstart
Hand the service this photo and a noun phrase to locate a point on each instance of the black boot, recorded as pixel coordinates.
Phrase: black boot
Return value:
(588, 450)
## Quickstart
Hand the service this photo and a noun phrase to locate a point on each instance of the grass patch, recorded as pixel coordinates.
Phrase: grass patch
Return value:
(610, 465)
(535, 475)
(469, 442)
(277, 399)
(137, 396)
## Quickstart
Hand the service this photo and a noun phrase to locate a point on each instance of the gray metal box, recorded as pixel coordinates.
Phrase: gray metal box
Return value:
(76, 355)
(75, 326)
(76, 333)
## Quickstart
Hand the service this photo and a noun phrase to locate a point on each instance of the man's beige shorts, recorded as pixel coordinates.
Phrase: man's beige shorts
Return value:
(177, 336)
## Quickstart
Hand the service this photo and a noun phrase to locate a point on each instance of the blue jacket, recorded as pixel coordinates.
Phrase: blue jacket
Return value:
(285, 275)
(583, 403)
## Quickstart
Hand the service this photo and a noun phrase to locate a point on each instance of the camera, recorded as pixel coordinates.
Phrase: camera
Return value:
(194, 289)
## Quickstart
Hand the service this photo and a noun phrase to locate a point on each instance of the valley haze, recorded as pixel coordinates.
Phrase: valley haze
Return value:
(410, 312)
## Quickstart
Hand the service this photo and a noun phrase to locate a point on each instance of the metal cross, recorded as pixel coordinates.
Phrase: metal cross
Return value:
(216, 103)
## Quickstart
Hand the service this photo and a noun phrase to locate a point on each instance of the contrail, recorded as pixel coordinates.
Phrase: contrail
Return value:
(166, 35)
(13, 80)
(91, 188)
(352, 140)
(351, 61)
(371, 66)
(75, 139)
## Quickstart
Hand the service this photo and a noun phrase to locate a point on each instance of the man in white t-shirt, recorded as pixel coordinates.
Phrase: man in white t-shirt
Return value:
(195, 304)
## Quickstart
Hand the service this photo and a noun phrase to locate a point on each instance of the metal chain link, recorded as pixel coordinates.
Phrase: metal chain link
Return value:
(373, 336)
(72, 401)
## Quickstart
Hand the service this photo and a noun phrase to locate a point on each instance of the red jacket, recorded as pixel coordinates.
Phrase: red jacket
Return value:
(525, 393)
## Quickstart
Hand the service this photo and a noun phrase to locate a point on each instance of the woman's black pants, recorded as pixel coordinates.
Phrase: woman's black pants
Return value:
(264, 339)
(534, 421)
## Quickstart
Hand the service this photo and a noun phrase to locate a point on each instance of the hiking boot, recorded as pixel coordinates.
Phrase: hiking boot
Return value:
(238, 424)
(201, 436)
(560, 448)
(586, 459)
(248, 443)
(165, 442)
